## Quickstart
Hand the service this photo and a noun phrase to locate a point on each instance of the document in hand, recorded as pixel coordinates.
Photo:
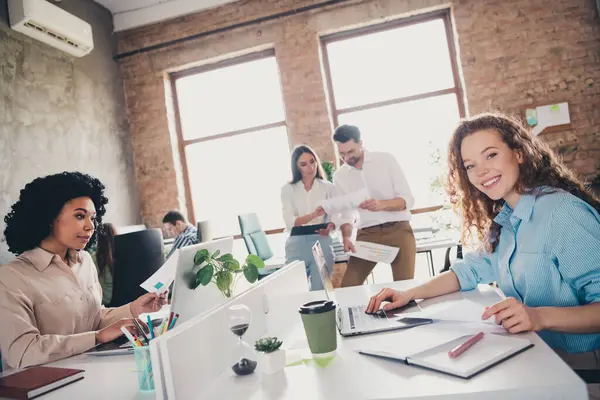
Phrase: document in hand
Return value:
(375, 252)
(429, 349)
(159, 282)
(346, 202)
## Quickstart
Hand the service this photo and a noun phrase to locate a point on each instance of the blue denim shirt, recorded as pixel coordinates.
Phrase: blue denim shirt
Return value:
(548, 255)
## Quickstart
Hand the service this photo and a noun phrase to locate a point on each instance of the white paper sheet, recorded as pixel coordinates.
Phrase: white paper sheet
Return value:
(459, 310)
(553, 114)
(346, 202)
(375, 252)
(160, 281)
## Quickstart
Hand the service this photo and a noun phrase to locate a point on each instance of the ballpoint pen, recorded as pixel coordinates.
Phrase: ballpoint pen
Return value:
(461, 348)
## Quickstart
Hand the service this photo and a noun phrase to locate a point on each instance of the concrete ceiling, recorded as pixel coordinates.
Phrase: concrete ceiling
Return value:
(129, 14)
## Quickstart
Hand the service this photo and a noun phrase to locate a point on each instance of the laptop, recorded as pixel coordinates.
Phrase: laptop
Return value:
(188, 302)
(352, 319)
(117, 347)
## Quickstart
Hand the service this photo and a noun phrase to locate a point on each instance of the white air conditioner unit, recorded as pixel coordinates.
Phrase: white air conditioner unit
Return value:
(52, 25)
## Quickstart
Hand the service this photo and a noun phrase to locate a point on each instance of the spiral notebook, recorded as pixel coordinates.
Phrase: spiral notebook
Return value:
(487, 353)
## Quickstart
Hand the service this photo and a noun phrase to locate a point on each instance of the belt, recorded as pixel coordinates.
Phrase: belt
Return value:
(384, 225)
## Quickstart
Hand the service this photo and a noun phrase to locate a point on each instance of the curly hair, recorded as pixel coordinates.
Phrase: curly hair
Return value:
(540, 167)
(40, 202)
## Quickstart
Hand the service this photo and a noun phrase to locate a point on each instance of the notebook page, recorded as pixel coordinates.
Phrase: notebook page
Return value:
(489, 350)
(403, 344)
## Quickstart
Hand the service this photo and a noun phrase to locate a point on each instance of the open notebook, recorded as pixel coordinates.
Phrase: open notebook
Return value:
(488, 352)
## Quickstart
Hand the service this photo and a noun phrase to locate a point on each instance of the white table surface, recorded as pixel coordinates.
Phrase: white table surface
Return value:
(537, 373)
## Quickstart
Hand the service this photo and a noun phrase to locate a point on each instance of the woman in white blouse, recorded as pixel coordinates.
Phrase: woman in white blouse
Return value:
(300, 201)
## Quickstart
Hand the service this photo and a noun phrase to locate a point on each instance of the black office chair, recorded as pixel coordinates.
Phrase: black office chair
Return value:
(447, 262)
(137, 256)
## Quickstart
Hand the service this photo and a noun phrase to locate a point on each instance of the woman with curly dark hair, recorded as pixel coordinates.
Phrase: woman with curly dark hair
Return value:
(541, 234)
(49, 295)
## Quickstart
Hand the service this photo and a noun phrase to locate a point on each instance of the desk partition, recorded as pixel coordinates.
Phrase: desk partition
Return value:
(190, 357)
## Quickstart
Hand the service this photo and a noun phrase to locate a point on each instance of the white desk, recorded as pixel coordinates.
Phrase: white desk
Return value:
(535, 374)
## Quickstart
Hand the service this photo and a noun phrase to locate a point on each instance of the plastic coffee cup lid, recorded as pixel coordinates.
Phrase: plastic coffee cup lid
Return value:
(317, 307)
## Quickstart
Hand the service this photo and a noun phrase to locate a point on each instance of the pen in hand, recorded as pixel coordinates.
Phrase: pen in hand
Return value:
(461, 348)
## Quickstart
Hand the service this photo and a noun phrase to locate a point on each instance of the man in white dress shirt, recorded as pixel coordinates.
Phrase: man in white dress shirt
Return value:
(384, 217)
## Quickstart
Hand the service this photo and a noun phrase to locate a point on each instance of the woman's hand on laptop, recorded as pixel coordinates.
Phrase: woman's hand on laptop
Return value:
(113, 331)
(396, 299)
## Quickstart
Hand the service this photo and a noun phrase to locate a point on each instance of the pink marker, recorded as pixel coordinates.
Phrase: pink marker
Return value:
(461, 348)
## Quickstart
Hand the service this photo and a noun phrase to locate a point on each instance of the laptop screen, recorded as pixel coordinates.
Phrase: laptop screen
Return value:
(319, 257)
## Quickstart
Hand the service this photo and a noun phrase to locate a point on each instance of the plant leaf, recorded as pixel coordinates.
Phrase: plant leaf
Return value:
(224, 280)
(255, 260)
(216, 253)
(251, 273)
(232, 265)
(226, 257)
(201, 256)
(205, 274)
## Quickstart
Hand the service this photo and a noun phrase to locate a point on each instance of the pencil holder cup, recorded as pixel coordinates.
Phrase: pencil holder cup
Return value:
(144, 368)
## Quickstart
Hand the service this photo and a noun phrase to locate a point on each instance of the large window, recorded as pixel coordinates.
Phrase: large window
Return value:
(398, 83)
(234, 141)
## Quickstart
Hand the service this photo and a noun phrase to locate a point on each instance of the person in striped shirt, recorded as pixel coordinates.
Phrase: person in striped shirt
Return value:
(540, 230)
(177, 225)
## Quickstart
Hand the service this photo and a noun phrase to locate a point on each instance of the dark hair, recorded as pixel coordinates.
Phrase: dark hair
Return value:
(540, 167)
(106, 247)
(172, 217)
(296, 153)
(40, 202)
(344, 133)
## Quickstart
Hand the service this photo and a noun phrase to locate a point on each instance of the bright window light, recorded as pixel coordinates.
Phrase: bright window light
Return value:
(240, 172)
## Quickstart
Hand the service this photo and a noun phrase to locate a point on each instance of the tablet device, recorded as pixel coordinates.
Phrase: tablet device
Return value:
(307, 229)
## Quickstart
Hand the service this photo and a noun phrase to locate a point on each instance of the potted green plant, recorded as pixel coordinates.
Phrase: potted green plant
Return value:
(224, 270)
(329, 169)
(272, 357)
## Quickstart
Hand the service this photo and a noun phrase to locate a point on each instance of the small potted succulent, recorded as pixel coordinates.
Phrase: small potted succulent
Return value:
(272, 357)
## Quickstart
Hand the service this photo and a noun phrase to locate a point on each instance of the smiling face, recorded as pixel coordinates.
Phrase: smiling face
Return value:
(75, 224)
(307, 165)
(350, 152)
(492, 167)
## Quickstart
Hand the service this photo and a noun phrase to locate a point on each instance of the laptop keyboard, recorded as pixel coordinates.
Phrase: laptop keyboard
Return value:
(358, 318)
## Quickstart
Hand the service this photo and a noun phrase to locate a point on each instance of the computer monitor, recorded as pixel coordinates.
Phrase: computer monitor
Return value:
(188, 302)
(137, 256)
(319, 257)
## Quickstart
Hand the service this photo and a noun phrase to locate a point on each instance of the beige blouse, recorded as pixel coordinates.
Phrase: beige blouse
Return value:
(50, 310)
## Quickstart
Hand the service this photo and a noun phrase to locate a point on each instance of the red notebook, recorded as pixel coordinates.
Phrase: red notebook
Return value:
(35, 381)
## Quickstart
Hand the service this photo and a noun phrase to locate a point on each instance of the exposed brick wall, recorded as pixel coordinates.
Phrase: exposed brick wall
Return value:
(511, 54)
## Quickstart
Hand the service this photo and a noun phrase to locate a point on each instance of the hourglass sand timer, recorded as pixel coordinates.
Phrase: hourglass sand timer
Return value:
(240, 317)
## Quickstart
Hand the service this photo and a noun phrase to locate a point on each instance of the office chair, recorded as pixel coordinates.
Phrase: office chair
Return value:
(257, 243)
(447, 262)
(137, 256)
